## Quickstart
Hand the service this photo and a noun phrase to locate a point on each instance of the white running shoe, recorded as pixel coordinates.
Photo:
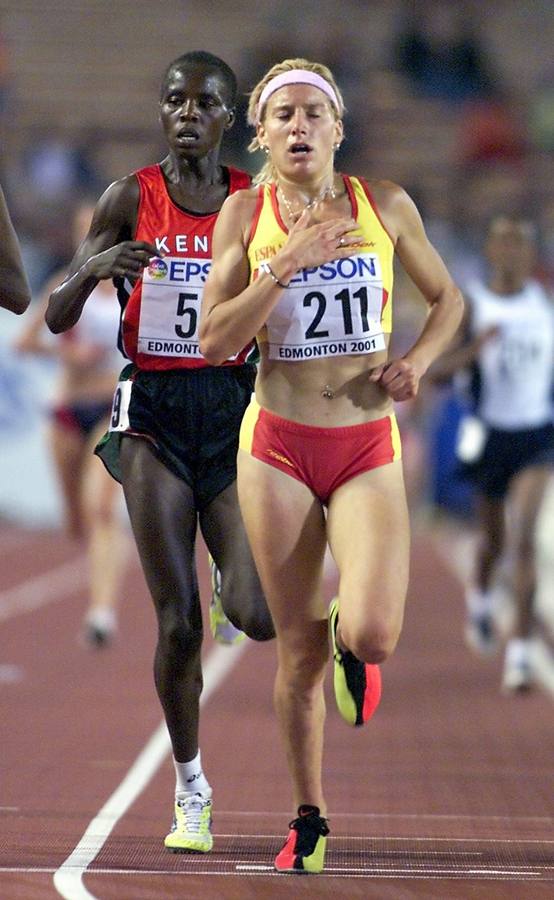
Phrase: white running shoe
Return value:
(191, 828)
(518, 670)
(99, 627)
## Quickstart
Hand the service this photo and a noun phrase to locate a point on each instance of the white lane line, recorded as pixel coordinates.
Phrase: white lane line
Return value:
(11, 673)
(49, 587)
(547, 820)
(329, 872)
(372, 871)
(68, 879)
(386, 839)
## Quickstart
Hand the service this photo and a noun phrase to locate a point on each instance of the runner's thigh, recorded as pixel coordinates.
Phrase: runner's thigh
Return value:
(286, 529)
(369, 536)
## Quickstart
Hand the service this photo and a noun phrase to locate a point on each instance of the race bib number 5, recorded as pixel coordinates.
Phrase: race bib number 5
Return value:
(170, 306)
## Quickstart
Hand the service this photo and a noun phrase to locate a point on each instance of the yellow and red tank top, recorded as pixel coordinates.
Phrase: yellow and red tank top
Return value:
(340, 308)
(161, 311)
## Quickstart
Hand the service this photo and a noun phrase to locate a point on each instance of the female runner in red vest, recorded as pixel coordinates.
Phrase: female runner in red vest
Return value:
(175, 420)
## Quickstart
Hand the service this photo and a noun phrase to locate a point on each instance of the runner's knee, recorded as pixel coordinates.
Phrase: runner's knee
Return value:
(245, 606)
(303, 661)
(524, 542)
(179, 634)
(372, 641)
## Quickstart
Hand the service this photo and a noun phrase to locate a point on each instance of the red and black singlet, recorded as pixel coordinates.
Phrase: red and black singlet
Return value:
(161, 312)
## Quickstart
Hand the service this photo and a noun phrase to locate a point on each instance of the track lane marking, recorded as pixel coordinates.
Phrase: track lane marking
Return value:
(259, 869)
(68, 879)
(48, 587)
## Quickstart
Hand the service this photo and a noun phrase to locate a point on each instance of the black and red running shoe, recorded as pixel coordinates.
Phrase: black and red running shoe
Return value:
(357, 684)
(304, 848)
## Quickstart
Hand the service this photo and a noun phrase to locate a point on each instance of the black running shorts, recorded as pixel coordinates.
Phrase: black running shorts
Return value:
(505, 454)
(192, 418)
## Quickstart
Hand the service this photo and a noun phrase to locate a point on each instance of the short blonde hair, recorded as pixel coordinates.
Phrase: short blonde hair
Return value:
(267, 172)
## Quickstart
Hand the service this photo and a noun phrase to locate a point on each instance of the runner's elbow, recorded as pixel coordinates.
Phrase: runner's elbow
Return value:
(211, 344)
(53, 321)
(16, 302)
(211, 351)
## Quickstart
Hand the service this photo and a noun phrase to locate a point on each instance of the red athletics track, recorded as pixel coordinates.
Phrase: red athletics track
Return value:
(448, 792)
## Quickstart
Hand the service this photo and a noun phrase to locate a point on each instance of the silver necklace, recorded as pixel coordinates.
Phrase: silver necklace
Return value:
(329, 193)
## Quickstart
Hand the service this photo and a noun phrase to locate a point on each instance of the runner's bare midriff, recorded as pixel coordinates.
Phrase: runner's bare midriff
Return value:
(325, 393)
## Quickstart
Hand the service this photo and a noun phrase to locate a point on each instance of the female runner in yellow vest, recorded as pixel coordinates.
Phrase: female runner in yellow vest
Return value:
(304, 261)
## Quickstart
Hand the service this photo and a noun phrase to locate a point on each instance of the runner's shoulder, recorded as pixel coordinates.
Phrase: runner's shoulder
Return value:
(238, 210)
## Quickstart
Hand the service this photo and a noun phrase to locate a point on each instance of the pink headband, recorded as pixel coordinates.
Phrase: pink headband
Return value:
(295, 76)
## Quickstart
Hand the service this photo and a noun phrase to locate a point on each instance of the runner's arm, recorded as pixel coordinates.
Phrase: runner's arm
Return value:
(106, 252)
(428, 272)
(15, 293)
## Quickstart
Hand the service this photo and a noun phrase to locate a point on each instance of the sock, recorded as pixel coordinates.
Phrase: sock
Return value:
(478, 602)
(517, 652)
(102, 617)
(190, 778)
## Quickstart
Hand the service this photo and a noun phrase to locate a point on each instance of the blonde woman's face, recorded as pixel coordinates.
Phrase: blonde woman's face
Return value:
(300, 130)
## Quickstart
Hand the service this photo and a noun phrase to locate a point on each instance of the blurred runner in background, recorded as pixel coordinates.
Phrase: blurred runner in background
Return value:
(506, 445)
(89, 364)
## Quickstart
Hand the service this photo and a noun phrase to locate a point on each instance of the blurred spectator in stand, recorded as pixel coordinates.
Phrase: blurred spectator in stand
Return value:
(53, 172)
(541, 112)
(491, 130)
(5, 76)
(546, 228)
(442, 58)
(438, 51)
(273, 41)
(57, 163)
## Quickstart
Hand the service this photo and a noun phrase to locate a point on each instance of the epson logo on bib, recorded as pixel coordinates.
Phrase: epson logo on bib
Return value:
(170, 306)
(364, 267)
(174, 270)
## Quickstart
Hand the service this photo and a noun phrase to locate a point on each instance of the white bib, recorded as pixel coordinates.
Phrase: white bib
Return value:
(172, 290)
(332, 310)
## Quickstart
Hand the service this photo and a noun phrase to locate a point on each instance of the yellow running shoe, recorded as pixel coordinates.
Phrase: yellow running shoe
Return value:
(191, 828)
(221, 628)
(357, 684)
(304, 848)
